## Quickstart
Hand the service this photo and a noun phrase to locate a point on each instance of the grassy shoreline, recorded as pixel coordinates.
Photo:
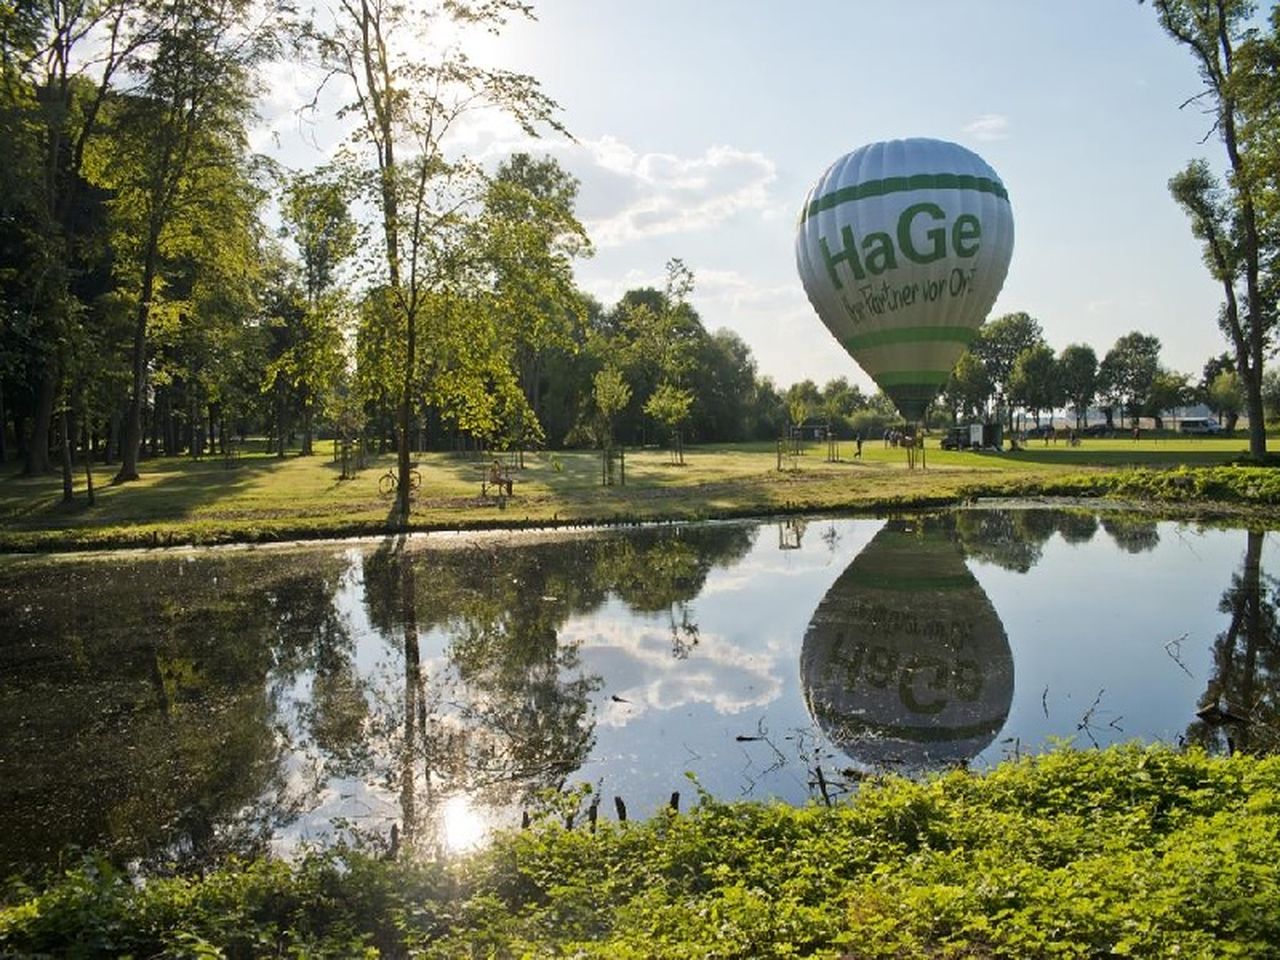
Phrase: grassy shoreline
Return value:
(1129, 851)
(259, 499)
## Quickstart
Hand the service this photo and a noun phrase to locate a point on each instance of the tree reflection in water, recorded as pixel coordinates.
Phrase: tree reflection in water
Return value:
(1240, 708)
(504, 716)
(174, 709)
(139, 708)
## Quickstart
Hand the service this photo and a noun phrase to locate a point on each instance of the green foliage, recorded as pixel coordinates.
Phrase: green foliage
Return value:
(1078, 373)
(1226, 394)
(611, 394)
(1128, 371)
(669, 405)
(1035, 382)
(1247, 485)
(1130, 851)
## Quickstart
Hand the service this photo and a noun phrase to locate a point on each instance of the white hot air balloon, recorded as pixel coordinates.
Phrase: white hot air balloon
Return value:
(902, 247)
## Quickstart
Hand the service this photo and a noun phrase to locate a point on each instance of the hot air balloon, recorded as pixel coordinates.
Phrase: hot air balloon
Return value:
(902, 248)
(905, 663)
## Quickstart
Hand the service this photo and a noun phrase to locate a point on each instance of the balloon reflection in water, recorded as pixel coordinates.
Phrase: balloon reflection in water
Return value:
(905, 662)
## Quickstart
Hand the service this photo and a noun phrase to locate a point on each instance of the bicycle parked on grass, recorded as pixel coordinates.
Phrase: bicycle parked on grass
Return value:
(389, 482)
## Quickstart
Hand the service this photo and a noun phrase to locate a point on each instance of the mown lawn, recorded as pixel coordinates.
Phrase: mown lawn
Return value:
(258, 497)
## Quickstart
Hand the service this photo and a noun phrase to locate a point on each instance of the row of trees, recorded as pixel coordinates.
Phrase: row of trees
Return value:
(1011, 366)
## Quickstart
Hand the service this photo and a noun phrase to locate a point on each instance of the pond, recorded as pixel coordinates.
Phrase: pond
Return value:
(173, 707)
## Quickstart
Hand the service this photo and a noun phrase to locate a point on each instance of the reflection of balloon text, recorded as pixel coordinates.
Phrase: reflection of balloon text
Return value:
(878, 666)
(905, 661)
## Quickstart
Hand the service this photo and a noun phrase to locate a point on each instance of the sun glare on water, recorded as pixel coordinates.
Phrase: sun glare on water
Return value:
(463, 828)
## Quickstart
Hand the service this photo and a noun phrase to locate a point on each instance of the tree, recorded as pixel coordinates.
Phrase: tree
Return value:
(1078, 376)
(58, 67)
(1034, 381)
(1169, 390)
(969, 387)
(533, 236)
(182, 131)
(1212, 367)
(315, 212)
(1271, 392)
(999, 343)
(726, 387)
(669, 405)
(1237, 223)
(409, 86)
(1226, 397)
(802, 399)
(611, 394)
(1128, 371)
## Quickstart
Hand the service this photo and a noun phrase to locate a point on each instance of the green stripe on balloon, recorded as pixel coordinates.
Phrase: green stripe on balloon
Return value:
(911, 378)
(884, 338)
(912, 391)
(919, 181)
(909, 584)
(917, 734)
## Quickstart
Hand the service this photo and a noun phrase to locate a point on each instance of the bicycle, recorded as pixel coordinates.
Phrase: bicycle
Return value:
(389, 482)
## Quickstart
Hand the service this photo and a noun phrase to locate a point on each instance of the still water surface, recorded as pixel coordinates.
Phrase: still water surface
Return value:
(180, 706)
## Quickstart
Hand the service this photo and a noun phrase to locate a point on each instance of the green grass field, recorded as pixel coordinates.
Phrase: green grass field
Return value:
(257, 497)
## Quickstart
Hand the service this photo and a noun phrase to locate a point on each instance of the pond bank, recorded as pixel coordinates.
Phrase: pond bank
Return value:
(1126, 851)
(717, 490)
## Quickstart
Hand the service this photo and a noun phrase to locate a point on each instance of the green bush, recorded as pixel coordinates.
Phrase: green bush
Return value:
(1130, 851)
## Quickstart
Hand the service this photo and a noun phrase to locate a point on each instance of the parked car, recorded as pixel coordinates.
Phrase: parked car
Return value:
(1098, 430)
(1040, 432)
(1201, 426)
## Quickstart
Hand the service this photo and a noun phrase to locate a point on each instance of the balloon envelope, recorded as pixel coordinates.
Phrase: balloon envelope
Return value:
(902, 248)
(905, 662)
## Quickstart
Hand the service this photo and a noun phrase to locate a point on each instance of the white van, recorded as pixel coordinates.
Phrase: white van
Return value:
(1199, 425)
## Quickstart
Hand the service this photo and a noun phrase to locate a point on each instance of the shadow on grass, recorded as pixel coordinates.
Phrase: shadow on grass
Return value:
(171, 489)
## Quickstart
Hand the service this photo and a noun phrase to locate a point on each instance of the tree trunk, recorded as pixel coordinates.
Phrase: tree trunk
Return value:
(112, 450)
(414, 700)
(133, 420)
(67, 431)
(88, 462)
(282, 428)
(306, 430)
(38, 443)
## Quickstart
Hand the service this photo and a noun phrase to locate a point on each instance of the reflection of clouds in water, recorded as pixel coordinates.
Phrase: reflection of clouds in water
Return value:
(636, 664)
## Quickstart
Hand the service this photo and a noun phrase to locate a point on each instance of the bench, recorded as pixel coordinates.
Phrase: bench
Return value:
(500, 478)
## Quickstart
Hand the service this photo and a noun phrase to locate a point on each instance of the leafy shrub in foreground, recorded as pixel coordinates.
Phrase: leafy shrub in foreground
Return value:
(1128, 851)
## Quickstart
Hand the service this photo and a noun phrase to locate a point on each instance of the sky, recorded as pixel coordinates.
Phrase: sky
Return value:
(699, 125)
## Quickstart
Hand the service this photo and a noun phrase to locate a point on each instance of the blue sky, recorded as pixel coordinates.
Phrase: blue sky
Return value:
(699, 126)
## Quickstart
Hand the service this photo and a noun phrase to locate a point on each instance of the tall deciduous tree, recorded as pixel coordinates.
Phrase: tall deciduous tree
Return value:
(1078, 374)
(315, 210)
(408, 88)
(183, 129)
(1034, 381)
(1129, 369)
(58, 65)
(999, 343)
(969, 386)
(1226, 396)
(533, 237)
(1236, 223)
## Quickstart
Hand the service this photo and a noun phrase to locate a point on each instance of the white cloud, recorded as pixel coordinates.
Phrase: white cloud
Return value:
(656, 194)
(989, 126)
(644, 676)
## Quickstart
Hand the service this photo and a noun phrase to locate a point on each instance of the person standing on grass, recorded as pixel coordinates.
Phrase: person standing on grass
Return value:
(857, 438)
